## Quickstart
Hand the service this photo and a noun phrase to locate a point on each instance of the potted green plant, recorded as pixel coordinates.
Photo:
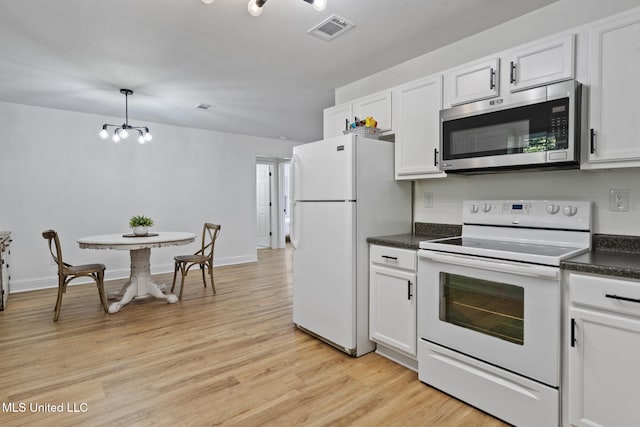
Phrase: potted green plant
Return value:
(140, 224)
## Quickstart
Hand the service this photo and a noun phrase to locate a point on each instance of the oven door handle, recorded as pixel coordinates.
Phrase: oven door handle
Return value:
(492, 265)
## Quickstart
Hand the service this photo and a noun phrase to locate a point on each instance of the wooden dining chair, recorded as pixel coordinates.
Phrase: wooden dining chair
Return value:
(203, 258)
(67, 272)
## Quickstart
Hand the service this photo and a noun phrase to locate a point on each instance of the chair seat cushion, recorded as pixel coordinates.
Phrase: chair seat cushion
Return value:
(191, 258)
(86, 268)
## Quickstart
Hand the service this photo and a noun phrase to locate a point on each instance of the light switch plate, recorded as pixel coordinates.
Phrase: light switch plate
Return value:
(428, 200)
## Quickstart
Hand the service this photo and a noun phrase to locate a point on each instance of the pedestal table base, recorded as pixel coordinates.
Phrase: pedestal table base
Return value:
(141, 284)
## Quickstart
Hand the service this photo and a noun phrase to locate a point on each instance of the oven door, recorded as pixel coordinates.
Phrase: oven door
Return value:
(501, 312)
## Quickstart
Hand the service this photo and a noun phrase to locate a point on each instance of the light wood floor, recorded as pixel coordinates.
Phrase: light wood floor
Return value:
(231, 359)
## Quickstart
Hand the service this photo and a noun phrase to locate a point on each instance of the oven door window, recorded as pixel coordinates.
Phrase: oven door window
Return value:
(491, 308)
(527, 129)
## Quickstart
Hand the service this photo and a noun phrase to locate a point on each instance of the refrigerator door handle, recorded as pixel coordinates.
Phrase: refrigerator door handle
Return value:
(294, 162)
(292, 232)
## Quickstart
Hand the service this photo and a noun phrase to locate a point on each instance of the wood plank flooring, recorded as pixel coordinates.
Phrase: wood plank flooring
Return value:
(233, 359)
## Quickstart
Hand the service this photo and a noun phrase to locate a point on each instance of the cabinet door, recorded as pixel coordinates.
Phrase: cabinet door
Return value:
(541, 64)
(334, 119)
(416, 110)
(392, 309)
(377, 106)
(472, 82)
(615, 89)
(603, 369)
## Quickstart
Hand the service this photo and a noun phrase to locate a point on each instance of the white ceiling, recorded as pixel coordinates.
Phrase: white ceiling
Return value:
(265, 75)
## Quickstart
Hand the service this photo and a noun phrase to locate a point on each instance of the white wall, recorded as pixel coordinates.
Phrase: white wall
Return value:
(449, 193)
(56, 173)
(555, 18)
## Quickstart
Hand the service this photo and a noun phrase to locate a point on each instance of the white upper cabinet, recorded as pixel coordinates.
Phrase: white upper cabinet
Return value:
(377, 106)
(534, 64)
(416, 112)
(541, 63)
(334, 119)
(472, 82)
(614, 67)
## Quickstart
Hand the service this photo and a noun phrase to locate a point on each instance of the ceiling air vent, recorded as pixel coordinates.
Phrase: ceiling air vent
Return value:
(331, 28)
(204, 106)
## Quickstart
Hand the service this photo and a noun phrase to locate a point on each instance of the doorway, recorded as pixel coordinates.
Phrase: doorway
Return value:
(264, 174)
(273, 181)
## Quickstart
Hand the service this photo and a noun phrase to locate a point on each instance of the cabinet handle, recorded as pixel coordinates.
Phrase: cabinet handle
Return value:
(512, 73)
(573, 332)
(622, 298)
(593, 141)
(409, 295)
(435, 157)
(393, 258)
(492, 79)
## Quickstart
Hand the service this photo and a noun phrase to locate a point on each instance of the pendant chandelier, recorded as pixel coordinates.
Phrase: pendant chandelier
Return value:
(122, 132)
(255, 6)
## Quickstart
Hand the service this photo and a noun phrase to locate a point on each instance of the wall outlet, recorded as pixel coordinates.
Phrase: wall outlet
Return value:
(428, 200)
(619, 200)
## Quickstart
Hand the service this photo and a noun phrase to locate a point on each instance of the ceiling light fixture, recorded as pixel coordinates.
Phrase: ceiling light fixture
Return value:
(255, 6)
(122, 131)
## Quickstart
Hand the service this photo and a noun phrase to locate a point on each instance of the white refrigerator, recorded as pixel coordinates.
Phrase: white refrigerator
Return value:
(343, 191)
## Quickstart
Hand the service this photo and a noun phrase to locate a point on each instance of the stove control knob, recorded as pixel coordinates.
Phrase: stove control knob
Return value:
(553, 209)
(473, 208)
(486, 207)
(570, 210)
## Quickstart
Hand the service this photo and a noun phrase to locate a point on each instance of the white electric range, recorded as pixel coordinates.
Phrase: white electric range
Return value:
(489, 306)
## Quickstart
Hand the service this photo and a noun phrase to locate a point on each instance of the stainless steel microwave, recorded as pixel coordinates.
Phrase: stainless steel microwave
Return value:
(534, 128)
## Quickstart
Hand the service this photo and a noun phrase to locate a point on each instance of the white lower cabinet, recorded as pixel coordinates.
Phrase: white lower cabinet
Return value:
(392, 303)
(603, 351)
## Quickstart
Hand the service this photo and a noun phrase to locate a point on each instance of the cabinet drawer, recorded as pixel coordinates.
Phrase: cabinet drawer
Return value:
(621, 296)
(393, 257)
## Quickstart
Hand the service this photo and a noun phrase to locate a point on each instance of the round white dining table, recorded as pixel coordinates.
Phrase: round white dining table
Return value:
(140, 283)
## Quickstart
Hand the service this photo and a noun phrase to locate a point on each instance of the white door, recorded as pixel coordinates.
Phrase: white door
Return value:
(392, 313)
(324, 170)
(501, 312)
(335, 118)
(472, 82)
(603, 369)
(324, 282)
(378, 106)
(263, 193)
(542, 63)
(416, 112)
(614, 108)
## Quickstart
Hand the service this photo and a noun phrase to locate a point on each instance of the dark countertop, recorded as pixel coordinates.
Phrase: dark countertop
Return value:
(610, 263)
(403, 241)
(423, 231)
(611, 255)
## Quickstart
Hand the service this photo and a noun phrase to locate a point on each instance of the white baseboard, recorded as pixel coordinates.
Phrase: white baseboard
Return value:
(28, 285)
